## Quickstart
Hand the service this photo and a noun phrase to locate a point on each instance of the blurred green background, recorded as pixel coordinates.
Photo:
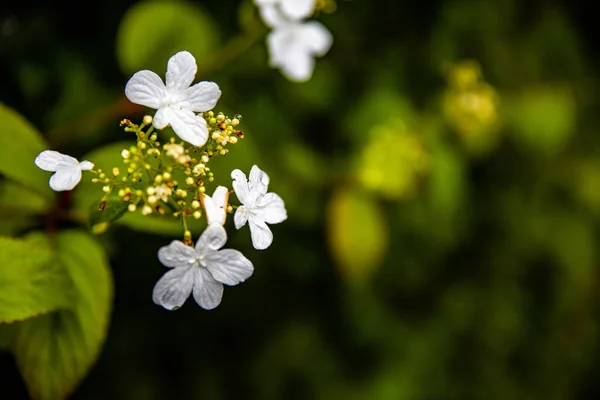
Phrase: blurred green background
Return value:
(441, 173)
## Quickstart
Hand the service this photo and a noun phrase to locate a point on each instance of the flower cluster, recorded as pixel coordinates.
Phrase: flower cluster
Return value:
(293, 42)
(169, 180)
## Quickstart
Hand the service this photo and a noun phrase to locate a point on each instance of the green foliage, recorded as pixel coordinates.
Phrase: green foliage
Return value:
(54, 351)
(18, 206)
(152, 31)
(30, 283)
(358, 234)
(108, 211)
(20, 144)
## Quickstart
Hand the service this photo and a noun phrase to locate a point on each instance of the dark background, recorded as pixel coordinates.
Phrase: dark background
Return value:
(497, 300)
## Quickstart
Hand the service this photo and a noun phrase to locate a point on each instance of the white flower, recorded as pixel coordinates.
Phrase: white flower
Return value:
(176, 102)
(292, 9)
(201, 271)
(174, 150)
(294, 44)
(215, 207)
(67, 169)
(259, 207)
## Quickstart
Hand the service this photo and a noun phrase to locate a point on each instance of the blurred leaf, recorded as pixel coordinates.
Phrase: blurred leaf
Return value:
(21, 143)
(17, 201)
(30, 284)
(55, 351)
(543, 118)
(358, 234)
(152, 31)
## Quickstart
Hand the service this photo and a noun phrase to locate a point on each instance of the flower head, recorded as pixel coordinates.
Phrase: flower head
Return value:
(200, 271)
(67, 169)
(294, 44)
(176, 102)
(215, 207)
(259, 207)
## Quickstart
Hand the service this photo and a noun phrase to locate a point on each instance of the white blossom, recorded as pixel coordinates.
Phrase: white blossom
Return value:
(176, 102)
(67, 169)
(293, 44)
(215, 207)
(259, 207)
(292, 9)
(200, 271)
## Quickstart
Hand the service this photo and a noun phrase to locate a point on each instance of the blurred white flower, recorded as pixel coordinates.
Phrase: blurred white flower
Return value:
(176, 102)
(292, 9)
(293, 44)
(200, 271)
(259, 207)
(215, 207)
(67, 169)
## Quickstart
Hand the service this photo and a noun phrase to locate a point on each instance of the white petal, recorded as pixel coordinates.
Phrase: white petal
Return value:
(271, 208)
(258, 181)
(203, 96)
(177, 255)
(146, 88)
(162, 118)
(316, 38)
(299, 67)
(188, 126)
(213, 238)
(50, 160)
(228, 266)
(271, 15)
(240, 217)
(86, 165)
(215, 207)
(181, 70)
(174, 287)
(262, 237)
(240, 186)
(298, 9)
(288, 52)
(65, 179)
(207, 291)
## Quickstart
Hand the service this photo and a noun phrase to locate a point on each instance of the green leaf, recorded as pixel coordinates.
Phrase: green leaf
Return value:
(110, 210)
(17, 200)
(30, 283)
(21, 143)
(55, 351)
(151, 32)
(358, 234)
